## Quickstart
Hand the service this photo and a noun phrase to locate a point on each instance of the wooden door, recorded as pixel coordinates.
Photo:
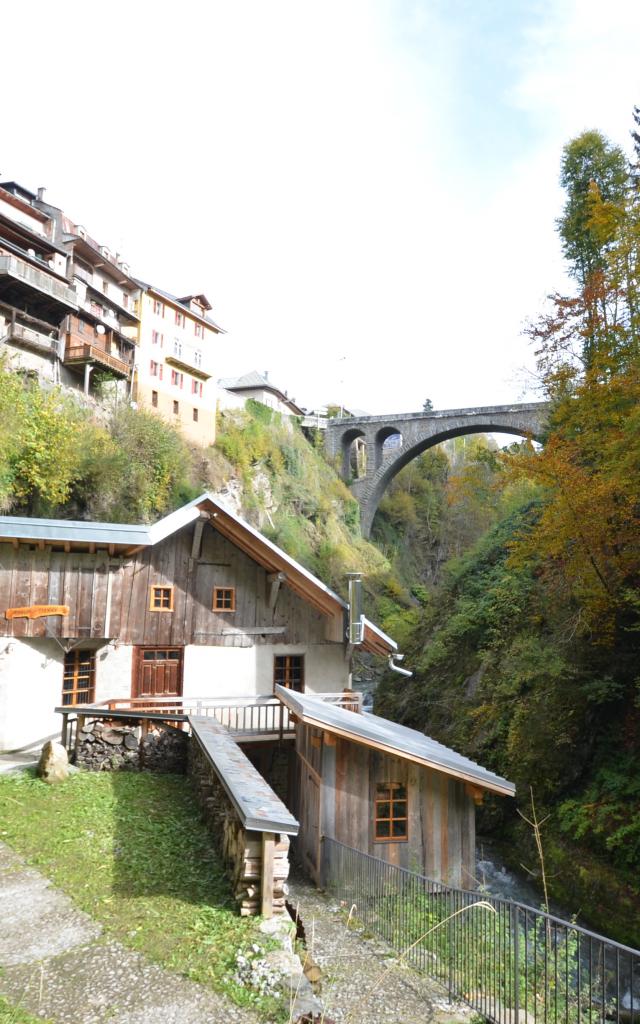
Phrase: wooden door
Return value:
(157, 672)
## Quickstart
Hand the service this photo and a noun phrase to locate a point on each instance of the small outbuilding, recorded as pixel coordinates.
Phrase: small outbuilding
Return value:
(385, 790)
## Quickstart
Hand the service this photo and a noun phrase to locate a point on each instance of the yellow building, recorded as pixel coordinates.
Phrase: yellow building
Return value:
(175, 359)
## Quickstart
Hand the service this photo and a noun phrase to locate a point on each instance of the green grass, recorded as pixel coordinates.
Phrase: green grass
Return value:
(14, 1015)
(131, 851)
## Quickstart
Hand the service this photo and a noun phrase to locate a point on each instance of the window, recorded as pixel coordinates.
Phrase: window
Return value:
(161, 599)
(154, 399)
(153, 369)
(158, 307)
(198, 330)
(176, 408)
(177, 378)
(288, 670)
(197, 357)
(224, 599)
(79, 677)
(177, 347)
(391, 813)
(125, 300)
(105, 287)
(179, 319)
(155, 337)
(196, 387)
(195, 415)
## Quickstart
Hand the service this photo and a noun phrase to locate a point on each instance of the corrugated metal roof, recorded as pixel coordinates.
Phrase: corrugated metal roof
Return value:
(257, 805)
(24, 528)
(392, 738)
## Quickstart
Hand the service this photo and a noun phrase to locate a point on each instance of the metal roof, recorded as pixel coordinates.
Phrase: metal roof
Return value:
(258, 807)
(392, 738)
(129, 537)
(256, 380)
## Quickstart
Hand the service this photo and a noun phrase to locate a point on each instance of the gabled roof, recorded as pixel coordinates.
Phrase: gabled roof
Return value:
(252, 380)
(126, 539)
(183, 303)
(391, 738)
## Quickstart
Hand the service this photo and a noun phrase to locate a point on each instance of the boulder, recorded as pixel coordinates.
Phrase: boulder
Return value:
(53, 765)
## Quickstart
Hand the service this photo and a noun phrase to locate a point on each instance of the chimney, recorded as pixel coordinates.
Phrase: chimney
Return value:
(356, 614)
(41, 192)
(266, 375)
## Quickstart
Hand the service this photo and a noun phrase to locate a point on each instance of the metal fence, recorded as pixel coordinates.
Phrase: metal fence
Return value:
(511, 963)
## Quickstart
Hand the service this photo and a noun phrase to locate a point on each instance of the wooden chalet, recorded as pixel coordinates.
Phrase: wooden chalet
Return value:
(386, 790)
(197, 606)
(201, 621)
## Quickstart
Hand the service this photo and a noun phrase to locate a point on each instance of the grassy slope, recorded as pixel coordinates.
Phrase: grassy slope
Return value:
(131, 851)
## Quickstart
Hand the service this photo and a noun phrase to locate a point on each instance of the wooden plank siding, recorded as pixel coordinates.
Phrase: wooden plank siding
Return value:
(97, 586)
(441, 815)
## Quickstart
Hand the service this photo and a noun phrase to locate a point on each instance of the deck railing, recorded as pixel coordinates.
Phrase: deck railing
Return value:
(250, 716)
(509, 962)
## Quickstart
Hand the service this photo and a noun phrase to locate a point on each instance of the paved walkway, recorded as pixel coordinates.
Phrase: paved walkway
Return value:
(55, 964)
(363, 980)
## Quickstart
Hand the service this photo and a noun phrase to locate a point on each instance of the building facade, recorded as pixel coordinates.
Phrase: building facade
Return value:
(198, 605)
(258, 387)
(176, 356)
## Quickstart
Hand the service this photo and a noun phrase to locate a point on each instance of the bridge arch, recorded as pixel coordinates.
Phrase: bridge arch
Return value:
(347, 442)
(389, 468)
(382, 435)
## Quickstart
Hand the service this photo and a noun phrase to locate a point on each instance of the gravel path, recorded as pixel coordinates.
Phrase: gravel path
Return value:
(54, 964)
(363, 981)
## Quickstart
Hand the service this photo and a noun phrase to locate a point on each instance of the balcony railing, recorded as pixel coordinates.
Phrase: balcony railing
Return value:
(30, 338)
(245, 717)
(11, 266)
(86, 353)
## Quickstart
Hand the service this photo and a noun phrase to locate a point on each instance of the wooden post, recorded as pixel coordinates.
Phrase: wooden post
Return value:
(268, 857)
(63, 737)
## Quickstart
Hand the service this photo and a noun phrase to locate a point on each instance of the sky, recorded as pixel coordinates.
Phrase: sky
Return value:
(366, 190)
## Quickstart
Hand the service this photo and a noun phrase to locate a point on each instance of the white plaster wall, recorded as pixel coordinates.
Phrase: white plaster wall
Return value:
(113, 671)
(219, 671)
(325, 668)
(30, 688)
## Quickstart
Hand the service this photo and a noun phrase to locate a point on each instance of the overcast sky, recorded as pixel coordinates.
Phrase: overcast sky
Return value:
(364, 189)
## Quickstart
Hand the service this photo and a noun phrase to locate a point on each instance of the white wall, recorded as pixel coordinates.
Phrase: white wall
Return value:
(244, 671)
(30, 688)
(113, 671)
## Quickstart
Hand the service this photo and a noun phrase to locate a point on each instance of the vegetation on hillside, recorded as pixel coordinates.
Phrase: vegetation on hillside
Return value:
(527, 656)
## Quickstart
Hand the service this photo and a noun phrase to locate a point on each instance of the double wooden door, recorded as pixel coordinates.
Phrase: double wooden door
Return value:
(157, 672)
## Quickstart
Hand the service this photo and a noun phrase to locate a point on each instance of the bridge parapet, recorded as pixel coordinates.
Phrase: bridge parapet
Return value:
(418, 432)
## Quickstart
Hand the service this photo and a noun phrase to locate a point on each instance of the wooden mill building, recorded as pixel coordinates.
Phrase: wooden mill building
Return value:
(202, 613)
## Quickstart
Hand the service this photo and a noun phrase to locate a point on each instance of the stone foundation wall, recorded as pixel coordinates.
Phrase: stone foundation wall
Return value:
(104, 746)
(241, 849)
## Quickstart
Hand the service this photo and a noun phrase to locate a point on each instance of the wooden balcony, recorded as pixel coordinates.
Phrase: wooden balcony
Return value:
(39, 280)
(246, 718)
(79, 353)
(31, 339)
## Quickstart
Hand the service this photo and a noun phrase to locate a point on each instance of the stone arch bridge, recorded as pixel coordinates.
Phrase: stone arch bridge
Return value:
(418, 431)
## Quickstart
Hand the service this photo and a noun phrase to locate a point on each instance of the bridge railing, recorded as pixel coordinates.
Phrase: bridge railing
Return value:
(511, 963)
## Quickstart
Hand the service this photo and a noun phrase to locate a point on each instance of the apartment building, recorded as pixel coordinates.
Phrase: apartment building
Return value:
(175, 362)
(35, 293)
(98, 340)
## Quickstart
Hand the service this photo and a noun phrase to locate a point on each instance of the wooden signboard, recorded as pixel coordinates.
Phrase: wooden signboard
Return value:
(37, 611)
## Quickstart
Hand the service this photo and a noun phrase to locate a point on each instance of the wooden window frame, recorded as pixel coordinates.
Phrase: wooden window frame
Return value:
(154, 399)
(176, 408)
(224, 610)
(195, 415)
(152, 596)
(75, 675)
(287, 667)
(388, 798)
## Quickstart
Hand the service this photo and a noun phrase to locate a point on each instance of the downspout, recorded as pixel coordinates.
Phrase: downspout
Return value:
(396, 668)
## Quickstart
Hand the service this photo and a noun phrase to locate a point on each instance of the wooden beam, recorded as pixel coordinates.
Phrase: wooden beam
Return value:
(475, 792)
(255, 631)
(268, 858)
(197, 534)
(329, 740)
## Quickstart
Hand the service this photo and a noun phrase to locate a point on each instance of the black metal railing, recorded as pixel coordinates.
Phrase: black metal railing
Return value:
(509, 962)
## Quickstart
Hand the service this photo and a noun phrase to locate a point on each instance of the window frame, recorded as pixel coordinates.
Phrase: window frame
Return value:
(75, 674)
(387, 797)
(152, 596)
(288, 671)
(220, 608)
